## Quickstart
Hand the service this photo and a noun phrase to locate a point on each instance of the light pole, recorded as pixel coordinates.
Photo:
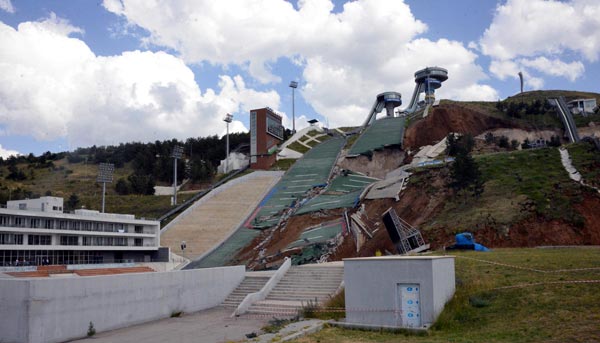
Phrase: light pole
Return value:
(176, 154)
(105, 174)
(293, 85)
(228, 119)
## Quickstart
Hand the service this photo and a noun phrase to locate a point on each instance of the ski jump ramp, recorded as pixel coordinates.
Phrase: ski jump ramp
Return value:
(216, 215)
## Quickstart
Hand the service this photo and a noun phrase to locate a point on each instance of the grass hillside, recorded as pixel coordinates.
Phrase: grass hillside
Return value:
(509, 295)
(516, 185)
(64, 179)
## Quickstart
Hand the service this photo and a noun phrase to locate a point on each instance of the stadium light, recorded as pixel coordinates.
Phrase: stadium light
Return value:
(293, 85)
(176, 154)
(105, 174)
(228, 119)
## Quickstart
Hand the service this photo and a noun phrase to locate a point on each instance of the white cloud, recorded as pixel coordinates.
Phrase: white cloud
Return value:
(53, 85)
(7, 6)
(5, 153)
(555, 67)
(347, 57)
(539, 34)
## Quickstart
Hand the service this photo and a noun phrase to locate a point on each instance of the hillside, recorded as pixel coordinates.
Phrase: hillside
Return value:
(527, 200)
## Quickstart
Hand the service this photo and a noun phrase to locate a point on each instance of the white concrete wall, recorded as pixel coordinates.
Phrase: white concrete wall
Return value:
(371, 287)
(13, 318)
(55, 310)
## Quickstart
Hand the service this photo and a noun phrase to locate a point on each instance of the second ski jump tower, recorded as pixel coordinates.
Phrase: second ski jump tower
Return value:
(427, 81)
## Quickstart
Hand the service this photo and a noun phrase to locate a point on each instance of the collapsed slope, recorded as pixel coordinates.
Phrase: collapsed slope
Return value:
(510, 213)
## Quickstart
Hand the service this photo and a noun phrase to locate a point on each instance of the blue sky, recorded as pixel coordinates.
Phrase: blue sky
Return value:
(79, 73)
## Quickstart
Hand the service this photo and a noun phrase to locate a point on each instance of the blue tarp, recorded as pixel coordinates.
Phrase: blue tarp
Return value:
(466, 241)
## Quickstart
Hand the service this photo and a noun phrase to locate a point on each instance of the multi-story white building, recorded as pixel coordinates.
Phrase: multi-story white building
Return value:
(37, 231)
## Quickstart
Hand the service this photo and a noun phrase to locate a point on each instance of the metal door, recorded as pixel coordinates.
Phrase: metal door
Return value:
(409, 305)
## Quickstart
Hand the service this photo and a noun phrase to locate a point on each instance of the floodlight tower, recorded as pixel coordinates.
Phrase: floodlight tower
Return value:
(228, 119)
(176, 154)
(293, 85)
(105, 174)
(521, 78)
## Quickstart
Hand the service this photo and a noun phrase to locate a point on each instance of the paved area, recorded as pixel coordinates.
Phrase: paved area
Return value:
(210, 220)
(210, 326)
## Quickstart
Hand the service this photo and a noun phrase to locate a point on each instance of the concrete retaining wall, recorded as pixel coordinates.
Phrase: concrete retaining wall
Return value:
(55, 310)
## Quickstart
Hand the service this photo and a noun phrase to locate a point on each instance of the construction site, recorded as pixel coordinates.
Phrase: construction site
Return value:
(380, 189)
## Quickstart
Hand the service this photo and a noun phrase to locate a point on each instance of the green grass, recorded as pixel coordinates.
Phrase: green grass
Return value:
(347, 128)
(481, 312)
(518, 184)
(586, 159)
(298, 147)
(283, 164)
(581, 121)
(80, 178)
(146, 206)
(351, 140)
(537, 174)
(313, 133)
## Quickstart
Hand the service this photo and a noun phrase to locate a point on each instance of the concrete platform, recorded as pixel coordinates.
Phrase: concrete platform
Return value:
(210, 326)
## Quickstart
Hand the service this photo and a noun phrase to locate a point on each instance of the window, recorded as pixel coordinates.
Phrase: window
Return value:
(139, 229)
(39, 240)
(19, 222)
(35, 222)
(48, 223)
(22, 206)
(11, 238)
(139, 242)
(69, 240)
(3, 221)
(121, 241)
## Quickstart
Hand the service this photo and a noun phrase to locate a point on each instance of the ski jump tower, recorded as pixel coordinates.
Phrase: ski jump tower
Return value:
(427, 81)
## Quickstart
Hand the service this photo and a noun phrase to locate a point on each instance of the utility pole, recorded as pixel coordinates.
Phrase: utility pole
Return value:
(228, 119)
(176, 154)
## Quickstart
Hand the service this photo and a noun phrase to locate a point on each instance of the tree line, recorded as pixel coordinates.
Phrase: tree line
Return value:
(151, 162)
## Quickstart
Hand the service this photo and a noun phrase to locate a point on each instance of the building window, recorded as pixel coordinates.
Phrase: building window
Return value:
(19, 222)
(3, 221)
(39, 240)
(22, 206)
(69, 240)
(121, 241)
(35, 223)
(11, 238)
(139, 229)
(48, 223)
(139, 242)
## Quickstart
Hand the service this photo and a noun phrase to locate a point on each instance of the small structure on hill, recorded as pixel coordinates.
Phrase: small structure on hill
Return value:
(584, 107)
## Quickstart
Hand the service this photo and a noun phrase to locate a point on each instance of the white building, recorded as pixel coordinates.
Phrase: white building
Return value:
(36, 231)
(582, 106)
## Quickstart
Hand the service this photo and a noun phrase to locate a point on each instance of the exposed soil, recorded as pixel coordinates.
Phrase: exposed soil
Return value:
(427, 194)
(377, 165)
(450, 118)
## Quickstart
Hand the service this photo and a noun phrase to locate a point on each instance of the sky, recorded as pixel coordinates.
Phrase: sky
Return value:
(77, 73)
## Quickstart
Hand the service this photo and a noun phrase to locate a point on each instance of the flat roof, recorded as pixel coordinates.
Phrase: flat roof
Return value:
(396, 257)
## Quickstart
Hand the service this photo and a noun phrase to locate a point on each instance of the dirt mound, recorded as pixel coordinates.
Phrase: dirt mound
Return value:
(448, 118)
(376, 165)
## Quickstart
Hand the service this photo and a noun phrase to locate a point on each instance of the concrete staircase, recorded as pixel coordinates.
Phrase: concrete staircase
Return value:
(301, 284)
(251, 284)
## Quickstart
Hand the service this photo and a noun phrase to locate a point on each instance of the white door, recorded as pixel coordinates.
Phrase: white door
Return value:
(410, 305)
